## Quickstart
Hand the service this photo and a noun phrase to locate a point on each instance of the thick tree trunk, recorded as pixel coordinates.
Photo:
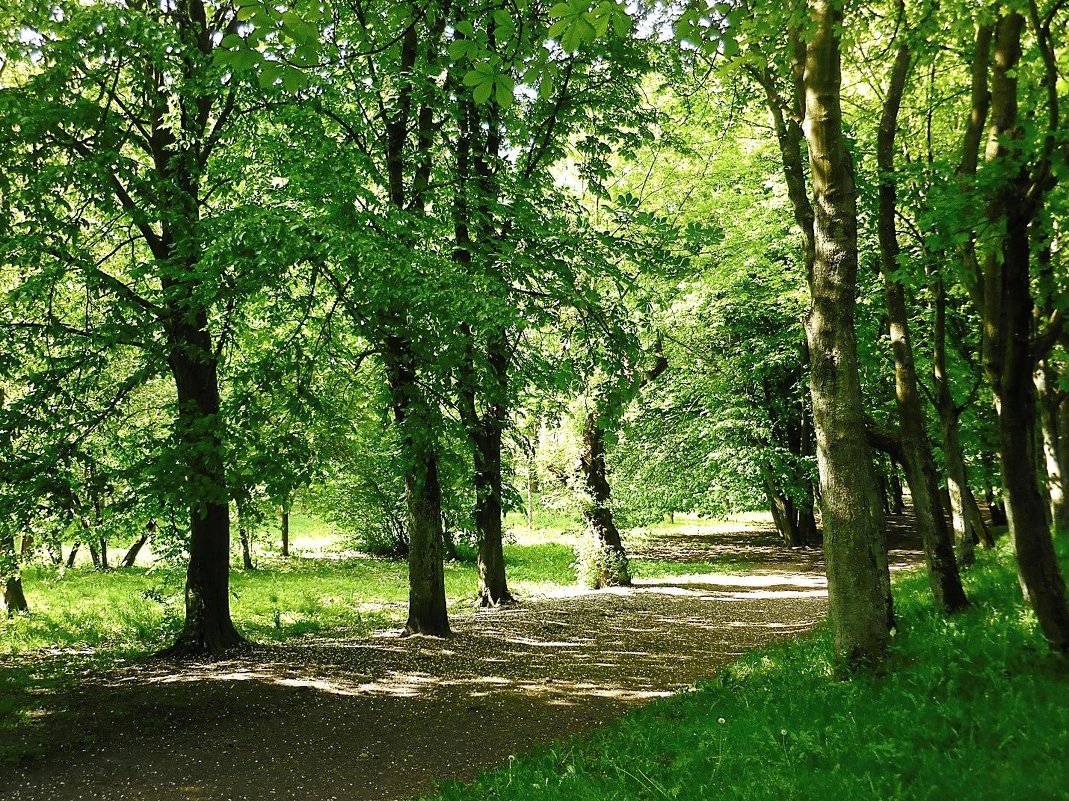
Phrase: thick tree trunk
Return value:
(1008, 356)
(614, 569)
(1053, 418)
(854, 543)
(208, 628)
(493, 587)
(484, 433)
(947, 592)
(423, 496)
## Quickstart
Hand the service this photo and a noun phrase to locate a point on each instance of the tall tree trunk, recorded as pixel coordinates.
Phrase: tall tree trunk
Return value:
(423, 495)
(854, 542)
(613, 564)
(208, 628)
(962, 521)
(1008, 351)
(1053, 417)
(947, 592)
(26, 546)
(14, 597)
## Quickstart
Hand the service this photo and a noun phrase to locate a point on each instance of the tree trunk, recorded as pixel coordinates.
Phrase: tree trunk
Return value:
(208, 628)
(614, 570)
(530, 494)
(94, 550)
(1053, 417)
(131, 555)
(423, 495)
(73, 554)
(963, 522)
(976, 519)
(854, 543)
(286, 527)
(947, 592)
(26, 546)
(14, 597)
(243, 537)
(784, 514)
(54, 546)
(1008, 353)
(493, 587)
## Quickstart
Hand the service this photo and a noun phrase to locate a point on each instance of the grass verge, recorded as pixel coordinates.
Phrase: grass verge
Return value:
(972, 707)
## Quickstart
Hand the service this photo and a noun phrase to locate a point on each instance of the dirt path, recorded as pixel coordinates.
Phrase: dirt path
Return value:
(381, 718)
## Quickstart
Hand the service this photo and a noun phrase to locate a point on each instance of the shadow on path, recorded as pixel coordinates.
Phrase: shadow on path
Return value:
(381, 718)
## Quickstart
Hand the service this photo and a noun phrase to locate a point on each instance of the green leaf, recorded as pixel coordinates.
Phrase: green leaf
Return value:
(504, 89)
(482, 91)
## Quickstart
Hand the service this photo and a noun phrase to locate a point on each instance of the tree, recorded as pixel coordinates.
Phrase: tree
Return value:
(858, 582)
(118, 128)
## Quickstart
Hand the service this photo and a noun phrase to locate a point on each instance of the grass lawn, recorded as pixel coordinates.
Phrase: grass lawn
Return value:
(320, 591)
(973, 707)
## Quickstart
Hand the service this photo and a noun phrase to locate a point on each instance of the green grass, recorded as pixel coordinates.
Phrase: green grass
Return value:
(139, 609)
(973, 708)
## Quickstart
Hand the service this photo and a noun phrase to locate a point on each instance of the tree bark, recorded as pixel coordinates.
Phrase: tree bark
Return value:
(208, 628)
(854, 544)
(423, 495)
(947, 592)
(1008, 350)
(493, 587)
(614, 570)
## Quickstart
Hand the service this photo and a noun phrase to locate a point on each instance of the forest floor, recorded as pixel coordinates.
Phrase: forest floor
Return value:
(384, 717)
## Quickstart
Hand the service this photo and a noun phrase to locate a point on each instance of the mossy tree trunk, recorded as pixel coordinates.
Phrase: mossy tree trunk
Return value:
(612, 565)
(854, 544)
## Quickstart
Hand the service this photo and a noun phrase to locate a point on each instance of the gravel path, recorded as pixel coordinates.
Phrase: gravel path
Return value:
(382, 718)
